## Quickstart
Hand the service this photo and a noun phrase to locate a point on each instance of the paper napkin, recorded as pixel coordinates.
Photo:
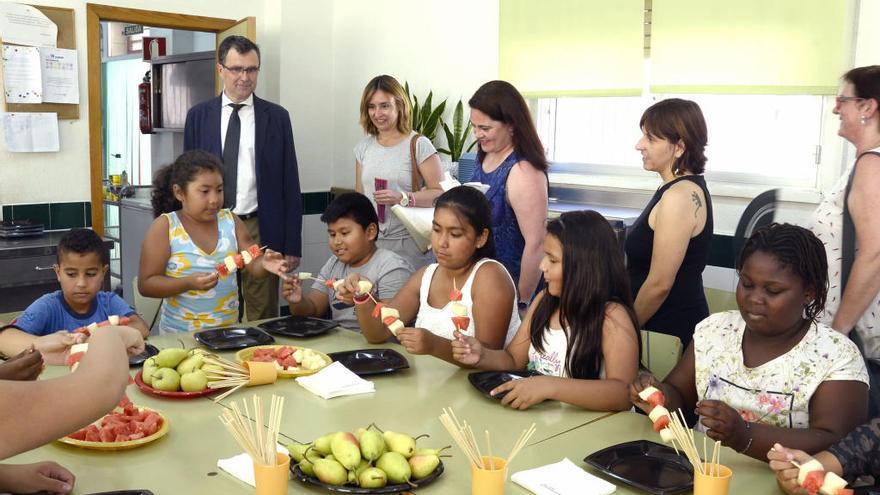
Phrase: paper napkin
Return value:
(335, 380)
(241, 466)
(561, 478)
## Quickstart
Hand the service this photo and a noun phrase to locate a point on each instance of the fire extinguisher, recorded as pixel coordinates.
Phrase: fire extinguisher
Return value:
(145, 96)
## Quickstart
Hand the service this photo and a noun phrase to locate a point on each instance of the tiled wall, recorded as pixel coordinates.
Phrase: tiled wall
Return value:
(53, 216)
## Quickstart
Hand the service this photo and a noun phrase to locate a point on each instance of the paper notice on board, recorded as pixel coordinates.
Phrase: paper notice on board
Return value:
(30, 132)
(21, 74)
(25, 25)
(60, 75)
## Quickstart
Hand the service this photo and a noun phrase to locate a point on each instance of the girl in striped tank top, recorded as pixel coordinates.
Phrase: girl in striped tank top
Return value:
(189, 237)
(579, 335)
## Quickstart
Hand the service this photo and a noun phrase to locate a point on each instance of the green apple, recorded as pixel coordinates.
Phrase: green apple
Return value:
(166, 379)
(194, 381)
(190, 364)
(149, 369)
(170, 358)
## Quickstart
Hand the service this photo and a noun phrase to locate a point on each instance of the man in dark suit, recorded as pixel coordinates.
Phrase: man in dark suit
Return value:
(254, 139)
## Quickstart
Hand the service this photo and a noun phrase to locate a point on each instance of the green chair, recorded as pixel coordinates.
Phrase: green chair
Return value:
(660, 352)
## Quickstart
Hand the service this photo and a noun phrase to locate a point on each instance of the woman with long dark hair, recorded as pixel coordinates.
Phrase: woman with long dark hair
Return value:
(465, 278)
(580, 333)
(511, 161)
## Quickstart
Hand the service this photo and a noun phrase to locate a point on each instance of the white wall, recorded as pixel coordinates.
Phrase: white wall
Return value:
(38, 177)
(331, 49)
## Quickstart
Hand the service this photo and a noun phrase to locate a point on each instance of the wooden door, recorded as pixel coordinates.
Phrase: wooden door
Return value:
(246, 27)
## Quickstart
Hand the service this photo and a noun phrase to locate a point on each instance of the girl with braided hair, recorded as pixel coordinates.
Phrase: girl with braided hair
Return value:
(769, 372)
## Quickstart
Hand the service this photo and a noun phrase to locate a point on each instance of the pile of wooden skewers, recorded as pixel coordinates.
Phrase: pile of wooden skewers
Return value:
(463, 435)
(232, 376)
(259, 445)
(684, 438)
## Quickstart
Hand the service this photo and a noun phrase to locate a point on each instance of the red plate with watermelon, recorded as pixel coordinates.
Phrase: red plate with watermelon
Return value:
(139, 381)
(126, 427)
(293, 361)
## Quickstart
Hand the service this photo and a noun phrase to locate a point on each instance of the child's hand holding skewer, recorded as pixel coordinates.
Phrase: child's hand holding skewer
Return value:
(724, 423)
(466, 350)
(292, 289)
(274, 262)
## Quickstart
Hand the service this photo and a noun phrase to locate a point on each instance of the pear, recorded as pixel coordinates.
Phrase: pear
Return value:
(298, 450)
(401, 443)
(190, 364)
(330, 457)
(425, 451)
(312, 455)
(149, 368)
(322, 444)
(423, 465)
(352, 478)
(372, 478)
(395, 466)
(307, 467)
(363, 465)
(330, 472)
(346, 449)
(372, 444)
(170, 358)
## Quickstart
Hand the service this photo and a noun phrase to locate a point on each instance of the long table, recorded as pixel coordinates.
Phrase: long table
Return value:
(408, 401)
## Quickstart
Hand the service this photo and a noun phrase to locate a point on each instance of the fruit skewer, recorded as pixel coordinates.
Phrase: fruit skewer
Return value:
(238, 261)
(813, 478)
(112, 320)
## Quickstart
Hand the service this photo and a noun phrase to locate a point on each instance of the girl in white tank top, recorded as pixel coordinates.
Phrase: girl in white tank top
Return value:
(579, 335)
(463, 244)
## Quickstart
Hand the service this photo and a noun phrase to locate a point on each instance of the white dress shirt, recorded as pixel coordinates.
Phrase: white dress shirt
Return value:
(246, 189)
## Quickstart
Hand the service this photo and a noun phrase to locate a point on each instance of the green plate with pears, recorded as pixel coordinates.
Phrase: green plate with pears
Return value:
(175, 373)
(390, 472)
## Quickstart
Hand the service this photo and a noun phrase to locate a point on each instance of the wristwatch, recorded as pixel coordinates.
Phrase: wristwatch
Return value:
(404, 200)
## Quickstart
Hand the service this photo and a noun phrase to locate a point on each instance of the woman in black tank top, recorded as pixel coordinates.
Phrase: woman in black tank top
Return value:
(668, 245)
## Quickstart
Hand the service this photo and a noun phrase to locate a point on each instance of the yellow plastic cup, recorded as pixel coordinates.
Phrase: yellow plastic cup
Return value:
(272, 480)
(716, 481)
(489, 481)
(261, 373)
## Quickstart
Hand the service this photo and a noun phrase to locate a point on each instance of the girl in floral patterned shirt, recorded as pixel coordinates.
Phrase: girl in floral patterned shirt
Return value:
(189, 237)
(769, 372)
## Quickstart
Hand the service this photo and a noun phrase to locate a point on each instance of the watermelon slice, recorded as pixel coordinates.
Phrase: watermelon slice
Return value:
(813, 481)
(656, 399)
(662, 422)
(388, 320)
(239, 261)
(221, 269)
(255, 251)
(377, 311)
(461, 322)
(455, 295)
(74, 358)
(329, 283)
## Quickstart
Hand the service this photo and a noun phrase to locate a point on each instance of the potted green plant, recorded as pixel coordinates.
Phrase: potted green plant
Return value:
(425, 119)
(457, 136)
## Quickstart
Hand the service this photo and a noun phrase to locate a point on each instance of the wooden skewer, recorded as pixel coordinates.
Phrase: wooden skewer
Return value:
(489, 448)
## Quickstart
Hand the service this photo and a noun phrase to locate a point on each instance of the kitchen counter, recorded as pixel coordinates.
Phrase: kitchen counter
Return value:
(45, 244)
(26, 269)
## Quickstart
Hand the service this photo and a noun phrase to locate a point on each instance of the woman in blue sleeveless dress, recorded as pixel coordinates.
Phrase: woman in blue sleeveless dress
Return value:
(511, 161)
(668, 245)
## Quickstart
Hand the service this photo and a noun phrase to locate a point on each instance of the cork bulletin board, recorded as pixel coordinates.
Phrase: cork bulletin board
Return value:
(63, 18)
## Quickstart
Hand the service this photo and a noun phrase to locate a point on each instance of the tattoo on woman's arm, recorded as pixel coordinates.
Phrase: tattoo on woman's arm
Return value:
(696, 199)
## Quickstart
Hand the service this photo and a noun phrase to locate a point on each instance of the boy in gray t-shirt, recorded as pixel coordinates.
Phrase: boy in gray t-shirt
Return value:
(352, 228)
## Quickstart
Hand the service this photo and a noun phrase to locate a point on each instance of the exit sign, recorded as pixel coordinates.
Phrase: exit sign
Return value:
(132, 29)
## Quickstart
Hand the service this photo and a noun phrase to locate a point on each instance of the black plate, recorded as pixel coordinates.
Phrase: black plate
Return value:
(645, 465)
(403, 487)
(486, 381)
(366, 362)
(233, 338)
(297, 326)
(149, 351)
